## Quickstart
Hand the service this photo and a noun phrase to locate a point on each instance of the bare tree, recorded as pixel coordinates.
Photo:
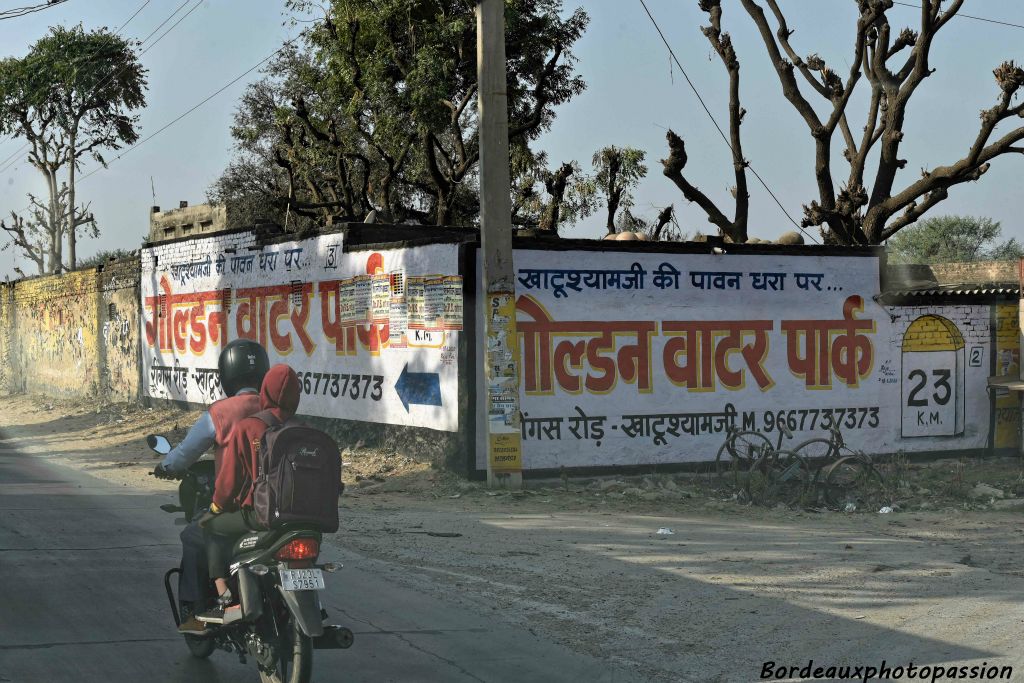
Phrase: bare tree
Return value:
(894, 66)
(39, 237)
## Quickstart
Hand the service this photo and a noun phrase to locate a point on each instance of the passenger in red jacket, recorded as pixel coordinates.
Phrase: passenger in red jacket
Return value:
(231, 513)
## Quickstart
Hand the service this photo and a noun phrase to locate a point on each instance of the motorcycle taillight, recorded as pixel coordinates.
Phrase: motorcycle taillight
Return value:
(299, 549)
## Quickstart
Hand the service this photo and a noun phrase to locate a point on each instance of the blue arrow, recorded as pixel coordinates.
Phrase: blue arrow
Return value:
(423, 388)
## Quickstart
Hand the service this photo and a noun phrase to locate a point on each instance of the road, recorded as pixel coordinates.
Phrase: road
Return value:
(81, 599)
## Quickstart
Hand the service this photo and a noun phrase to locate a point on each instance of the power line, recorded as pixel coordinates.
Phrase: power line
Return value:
(719, 128)
(153, 32)
(193, 108)
(967, 16)
(32, 9)
(174, 26)
(121, 27)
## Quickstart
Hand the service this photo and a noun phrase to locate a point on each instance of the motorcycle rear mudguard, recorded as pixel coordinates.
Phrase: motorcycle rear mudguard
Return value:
(305, 607)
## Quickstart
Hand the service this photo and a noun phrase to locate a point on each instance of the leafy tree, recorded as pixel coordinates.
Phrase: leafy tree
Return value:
(617, 171)
(947, 239)
(376, 109)
(894, 63)
(547, 199)
(70, 98)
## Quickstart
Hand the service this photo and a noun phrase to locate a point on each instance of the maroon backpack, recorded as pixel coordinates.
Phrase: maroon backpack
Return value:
(298, 477)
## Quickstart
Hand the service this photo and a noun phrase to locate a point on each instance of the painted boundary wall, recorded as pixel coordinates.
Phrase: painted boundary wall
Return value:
(375, 331)
(638, 355)
(641, 358)
(72, 335)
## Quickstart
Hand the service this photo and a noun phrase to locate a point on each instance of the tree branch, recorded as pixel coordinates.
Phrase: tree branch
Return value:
(673, 170)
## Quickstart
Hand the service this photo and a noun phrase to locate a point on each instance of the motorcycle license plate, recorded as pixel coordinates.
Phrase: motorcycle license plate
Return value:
(302, 580)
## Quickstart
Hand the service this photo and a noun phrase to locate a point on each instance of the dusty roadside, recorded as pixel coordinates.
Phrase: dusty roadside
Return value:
(582, 563)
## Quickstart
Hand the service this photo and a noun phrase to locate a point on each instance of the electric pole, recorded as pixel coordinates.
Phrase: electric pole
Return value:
(501, 343)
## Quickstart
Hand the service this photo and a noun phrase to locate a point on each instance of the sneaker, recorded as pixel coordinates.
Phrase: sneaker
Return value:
(219, 615)
(192, 626)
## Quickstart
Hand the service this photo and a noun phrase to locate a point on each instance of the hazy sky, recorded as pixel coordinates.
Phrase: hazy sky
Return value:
(633, 97)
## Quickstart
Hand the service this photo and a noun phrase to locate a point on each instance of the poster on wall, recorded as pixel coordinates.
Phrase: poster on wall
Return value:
(642, 358)
(340, 319)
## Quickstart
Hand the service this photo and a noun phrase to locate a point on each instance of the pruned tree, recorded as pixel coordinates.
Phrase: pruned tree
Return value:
(376, 108)
(894, 64)
(70, 98)
(547, 199)
(617, 172)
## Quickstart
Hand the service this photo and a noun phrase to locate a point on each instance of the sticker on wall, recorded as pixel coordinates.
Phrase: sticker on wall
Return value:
(933, 378)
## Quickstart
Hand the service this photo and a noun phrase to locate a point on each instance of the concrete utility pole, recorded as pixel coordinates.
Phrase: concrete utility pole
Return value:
(501, 350)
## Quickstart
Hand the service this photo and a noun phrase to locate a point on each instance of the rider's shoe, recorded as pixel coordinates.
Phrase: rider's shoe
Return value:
(221, 615)
(192, 626)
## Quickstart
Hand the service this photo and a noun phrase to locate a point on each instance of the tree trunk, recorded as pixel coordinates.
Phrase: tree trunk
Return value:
(73, 229)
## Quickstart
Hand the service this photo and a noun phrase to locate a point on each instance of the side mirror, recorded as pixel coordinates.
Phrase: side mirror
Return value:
(159, 443)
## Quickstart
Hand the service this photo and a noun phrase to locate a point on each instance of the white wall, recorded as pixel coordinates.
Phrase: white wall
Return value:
(607, 384)
(372, 334)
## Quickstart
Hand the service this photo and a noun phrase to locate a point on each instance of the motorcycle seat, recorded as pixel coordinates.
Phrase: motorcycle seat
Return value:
(257, 540)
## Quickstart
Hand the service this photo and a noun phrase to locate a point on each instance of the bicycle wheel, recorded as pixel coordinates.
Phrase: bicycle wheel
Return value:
(779, 477)
(818, 452)
(739, 450)
(853, 480)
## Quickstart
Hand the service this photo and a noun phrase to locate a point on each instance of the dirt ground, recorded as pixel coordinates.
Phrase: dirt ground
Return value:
(668, 575)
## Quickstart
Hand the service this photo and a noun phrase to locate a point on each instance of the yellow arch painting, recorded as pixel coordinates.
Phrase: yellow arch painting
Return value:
(932, 333)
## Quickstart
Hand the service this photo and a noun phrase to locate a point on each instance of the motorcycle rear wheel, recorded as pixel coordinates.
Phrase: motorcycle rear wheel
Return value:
(296, 666)
(200, 647)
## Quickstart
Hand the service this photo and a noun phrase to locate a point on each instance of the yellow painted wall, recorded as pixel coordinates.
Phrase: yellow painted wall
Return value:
(1007, 354)
(119, 329)
(55, 324)
(6, 338)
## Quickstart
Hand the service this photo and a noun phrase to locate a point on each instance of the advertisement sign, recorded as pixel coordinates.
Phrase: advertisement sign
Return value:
(341, 320)
(640, 358)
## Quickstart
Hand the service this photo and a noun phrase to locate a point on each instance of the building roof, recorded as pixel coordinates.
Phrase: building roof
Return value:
(971, 291)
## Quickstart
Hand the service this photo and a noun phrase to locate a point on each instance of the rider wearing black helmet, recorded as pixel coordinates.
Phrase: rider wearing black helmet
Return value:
(242, 365)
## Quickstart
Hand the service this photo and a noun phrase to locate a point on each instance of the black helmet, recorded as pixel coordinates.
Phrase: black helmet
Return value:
(242, 363)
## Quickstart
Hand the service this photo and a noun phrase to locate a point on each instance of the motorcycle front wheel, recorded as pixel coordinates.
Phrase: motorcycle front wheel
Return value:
(296, 664)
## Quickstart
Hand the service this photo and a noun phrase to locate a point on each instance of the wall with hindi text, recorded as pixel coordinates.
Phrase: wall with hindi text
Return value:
(633, 357)
(374, 332)
(118, 310)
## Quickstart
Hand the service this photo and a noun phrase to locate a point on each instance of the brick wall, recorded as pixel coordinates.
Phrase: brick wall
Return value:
(55, 349)
(975, 272)
(6, 337)
(971, 320)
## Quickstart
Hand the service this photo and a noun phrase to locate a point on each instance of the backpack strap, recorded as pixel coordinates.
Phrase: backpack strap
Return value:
(268, 418)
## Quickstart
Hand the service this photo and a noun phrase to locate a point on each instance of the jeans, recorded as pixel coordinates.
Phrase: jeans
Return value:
(221, 533)
(193, 581)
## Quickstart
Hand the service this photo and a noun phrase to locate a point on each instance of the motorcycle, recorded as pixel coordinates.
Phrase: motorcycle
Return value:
(277, 578)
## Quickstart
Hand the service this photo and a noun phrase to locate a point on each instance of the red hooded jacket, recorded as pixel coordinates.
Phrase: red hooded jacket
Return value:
(238, 462)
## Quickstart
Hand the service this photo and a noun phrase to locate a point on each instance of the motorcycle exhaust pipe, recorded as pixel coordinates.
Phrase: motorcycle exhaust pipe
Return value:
(334, 638)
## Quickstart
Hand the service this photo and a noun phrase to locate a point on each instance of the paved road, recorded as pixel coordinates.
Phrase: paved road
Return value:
(81, 599)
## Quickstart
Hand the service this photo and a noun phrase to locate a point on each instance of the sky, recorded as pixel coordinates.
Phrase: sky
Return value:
(633, 96)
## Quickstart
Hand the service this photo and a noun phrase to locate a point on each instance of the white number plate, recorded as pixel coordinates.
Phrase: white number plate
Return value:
(302, 580)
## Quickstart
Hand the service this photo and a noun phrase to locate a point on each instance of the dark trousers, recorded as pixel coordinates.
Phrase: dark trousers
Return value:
(221, 533)
(193, 579)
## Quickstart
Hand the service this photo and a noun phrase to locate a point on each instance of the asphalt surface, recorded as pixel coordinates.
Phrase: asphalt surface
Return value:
(81, 599)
